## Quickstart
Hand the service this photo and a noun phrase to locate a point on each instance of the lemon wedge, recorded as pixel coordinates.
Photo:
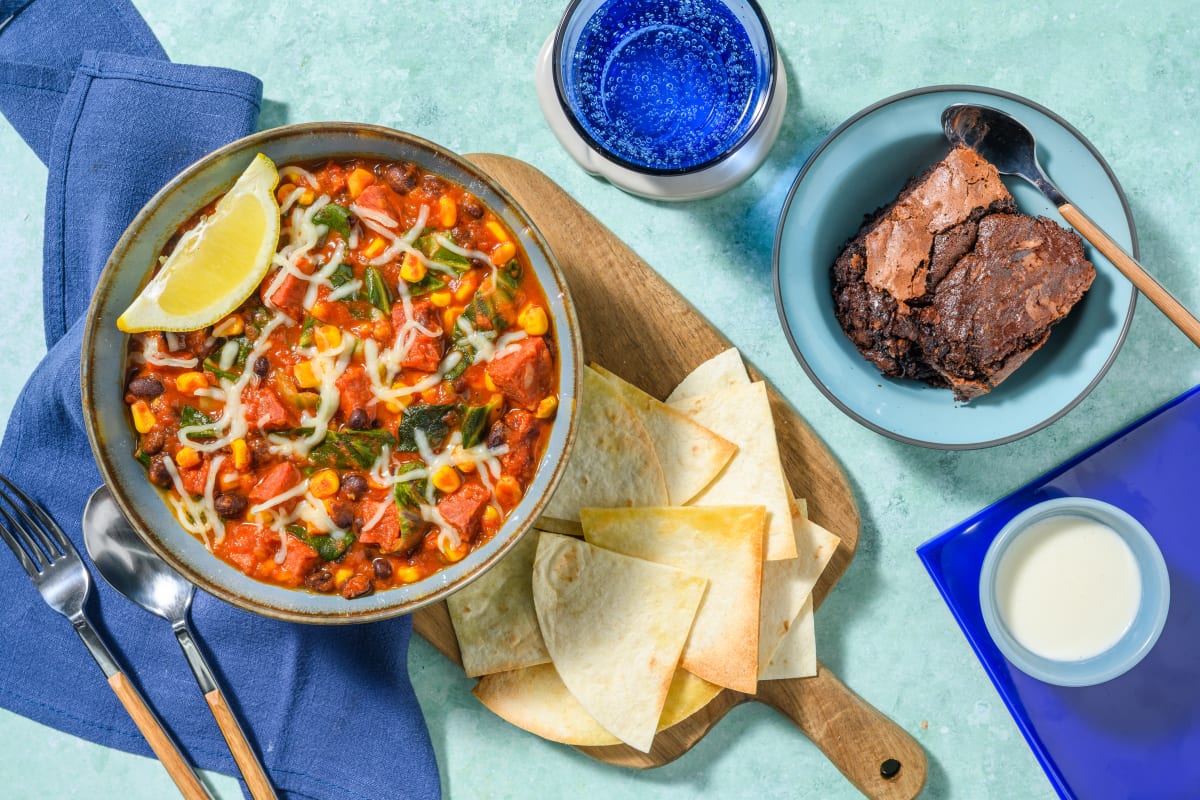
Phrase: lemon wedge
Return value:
(216, 264)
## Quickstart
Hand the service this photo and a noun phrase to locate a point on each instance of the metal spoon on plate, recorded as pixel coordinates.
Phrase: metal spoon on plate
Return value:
(1009, 145)
(137, 572)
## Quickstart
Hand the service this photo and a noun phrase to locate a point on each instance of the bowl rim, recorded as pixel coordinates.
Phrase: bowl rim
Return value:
(1132, 647)
(776, 268)
(568, 344)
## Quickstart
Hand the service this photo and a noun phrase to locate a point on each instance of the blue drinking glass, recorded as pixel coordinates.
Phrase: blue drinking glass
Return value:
(666, 88)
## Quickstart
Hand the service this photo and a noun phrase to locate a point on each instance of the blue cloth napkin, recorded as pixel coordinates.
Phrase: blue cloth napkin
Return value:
(330, 710)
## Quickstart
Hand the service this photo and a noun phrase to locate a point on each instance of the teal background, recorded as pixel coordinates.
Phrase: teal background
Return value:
(1125, 74)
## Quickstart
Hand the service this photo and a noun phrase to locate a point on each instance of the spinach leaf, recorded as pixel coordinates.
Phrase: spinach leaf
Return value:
(434, 251)
(328, 546)
(508, 277)
(335, 217)
(431, 419)
(430, 283)
(474, 424)
(350, 449)
(306, 334)
(341, 276)
(378, 293)
(211, 365)
(190, 416)
(244, 348)
(409, 494)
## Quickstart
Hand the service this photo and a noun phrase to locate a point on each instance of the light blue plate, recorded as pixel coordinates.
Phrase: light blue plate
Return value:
(862, 166)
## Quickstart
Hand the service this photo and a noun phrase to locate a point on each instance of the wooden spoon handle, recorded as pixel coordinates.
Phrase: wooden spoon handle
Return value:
(160, 741)
(243, 753)
(1145, 284)
(857, 738)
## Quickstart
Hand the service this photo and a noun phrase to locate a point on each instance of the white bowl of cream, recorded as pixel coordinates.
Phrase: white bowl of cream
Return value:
(1074, 591)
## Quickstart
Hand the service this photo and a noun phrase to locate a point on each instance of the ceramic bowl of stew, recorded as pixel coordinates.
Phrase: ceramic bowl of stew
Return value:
(309, 583)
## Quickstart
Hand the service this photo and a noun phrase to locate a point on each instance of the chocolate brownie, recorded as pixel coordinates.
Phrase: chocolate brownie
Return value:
(949, 285)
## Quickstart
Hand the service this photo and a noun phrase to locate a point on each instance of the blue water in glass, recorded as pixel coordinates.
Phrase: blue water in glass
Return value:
(664, 86)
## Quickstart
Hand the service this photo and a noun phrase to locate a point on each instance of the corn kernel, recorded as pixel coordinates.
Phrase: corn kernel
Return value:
(324, 483)
(532, 320)
(454, 554)
(407, 574)
(284, 191)
(358, 180)
(505, 253)
(241, 454)
(431, 396)
(305, 375)
(547, 407)
(233, 325)
(375, 248)
(508, 491)
(450, 316)
(412, 268)
(466, 287)
(447, 211)
(466, 466)
(491, 516)
(342, 575)
(307, 198)
(497, 230)
(489, 383)
(327, 337)
(143, 418)
(441, 298)
(187, 457)
(447, 479)
(229, 481)
(381, 329)
(189, 382)
(322, 310)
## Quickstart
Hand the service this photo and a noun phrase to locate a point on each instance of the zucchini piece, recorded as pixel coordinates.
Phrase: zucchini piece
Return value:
(430, 419)
(190, 416)
(334, 217)
(475, 423)
(377, 290)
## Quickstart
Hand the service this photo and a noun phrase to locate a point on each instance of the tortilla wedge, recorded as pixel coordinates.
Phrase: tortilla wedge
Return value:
(787, 585)
(612, 464)
(721, 371)
(796, 656)
(723, 544)
(690, 454)
(615, 627)
(494, 618)
(537, 700)
(754, 476)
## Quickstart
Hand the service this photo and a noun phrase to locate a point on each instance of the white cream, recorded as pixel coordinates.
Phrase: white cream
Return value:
(1068, 588)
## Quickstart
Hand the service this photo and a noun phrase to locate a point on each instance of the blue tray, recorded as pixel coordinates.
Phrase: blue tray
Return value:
(1138, 735)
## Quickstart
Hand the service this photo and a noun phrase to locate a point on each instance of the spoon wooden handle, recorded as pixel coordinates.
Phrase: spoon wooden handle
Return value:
(160, 741)
(243, 753)
(1145, 284)
(860, 740)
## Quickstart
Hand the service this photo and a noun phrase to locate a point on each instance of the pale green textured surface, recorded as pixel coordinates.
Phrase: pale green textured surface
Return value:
(1126, 74)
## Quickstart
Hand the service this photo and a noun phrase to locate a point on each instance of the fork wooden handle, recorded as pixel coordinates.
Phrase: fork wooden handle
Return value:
(1154, 291)
(243, 754)
(180, 771)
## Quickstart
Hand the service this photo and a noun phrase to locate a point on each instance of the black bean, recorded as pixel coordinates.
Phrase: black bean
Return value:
(153, 442)
(319, 580)
(382, 567)
(262, 366)
(472, 207)
(146, 387)
(343, 515)
(359, 419)
(401, 177)
(357, 586)
(158, 473)
(496, 435)
(355, 486)
(230, 505)
(432, 183)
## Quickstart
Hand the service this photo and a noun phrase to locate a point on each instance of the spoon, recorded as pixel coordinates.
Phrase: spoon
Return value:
(137, 572)
(1009, 145)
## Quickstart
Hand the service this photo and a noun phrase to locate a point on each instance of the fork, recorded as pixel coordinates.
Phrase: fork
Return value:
(54, 566)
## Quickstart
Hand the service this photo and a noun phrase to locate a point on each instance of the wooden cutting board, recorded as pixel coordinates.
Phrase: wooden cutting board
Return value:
(635, 324)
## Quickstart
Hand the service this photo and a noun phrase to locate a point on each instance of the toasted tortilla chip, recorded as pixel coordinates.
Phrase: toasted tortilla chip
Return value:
(796, 656)
(612, 464)
(723, 544)
(537, 700)
(721, 371)
(615, 627)
(494, 618)
(754, 476)
(690, 454)
(788, 584)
